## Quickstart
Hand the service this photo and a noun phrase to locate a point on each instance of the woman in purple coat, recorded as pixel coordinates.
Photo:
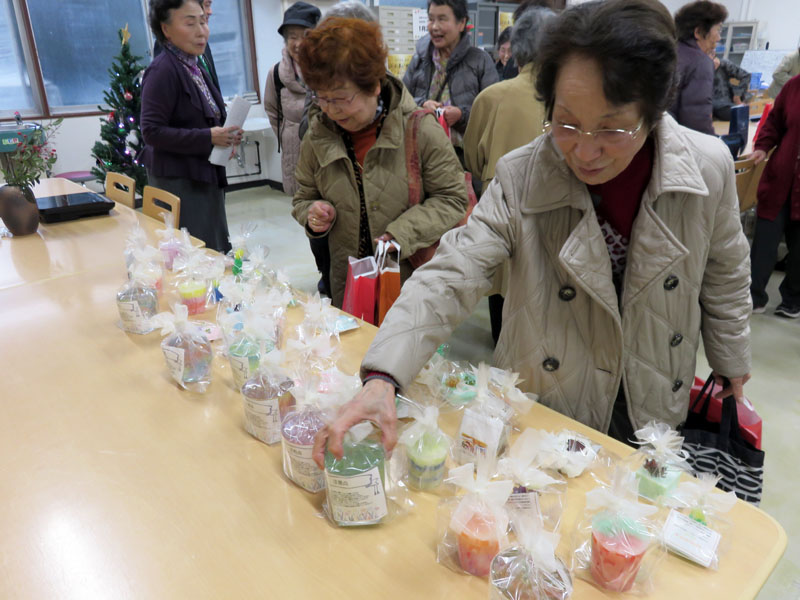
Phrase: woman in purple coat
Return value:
(699, 25)
(182, 114)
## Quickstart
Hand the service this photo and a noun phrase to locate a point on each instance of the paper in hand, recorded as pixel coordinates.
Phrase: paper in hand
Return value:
(237, 113)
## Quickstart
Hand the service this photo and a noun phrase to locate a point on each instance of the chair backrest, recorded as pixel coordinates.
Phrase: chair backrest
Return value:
(748, 175)
(156, 201)
(121, 188)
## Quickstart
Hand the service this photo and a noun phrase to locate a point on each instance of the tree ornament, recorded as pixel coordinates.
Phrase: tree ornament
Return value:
(128, 96)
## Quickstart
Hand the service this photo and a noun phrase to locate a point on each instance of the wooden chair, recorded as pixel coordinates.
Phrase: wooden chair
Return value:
(121, 188)
(748, 175)
(156, 201)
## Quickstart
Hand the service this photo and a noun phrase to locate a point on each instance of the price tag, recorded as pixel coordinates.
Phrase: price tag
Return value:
(690, 539)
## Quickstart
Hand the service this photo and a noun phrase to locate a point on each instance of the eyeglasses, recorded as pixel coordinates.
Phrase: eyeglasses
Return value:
(334, 102)
(605, 137)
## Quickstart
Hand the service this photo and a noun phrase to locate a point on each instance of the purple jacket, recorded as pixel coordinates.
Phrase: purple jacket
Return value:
(176, 123)
(692, 107)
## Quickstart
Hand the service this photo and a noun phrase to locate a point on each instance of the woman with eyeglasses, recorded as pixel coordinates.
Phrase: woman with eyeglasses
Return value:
(352, 176)
(623, 235)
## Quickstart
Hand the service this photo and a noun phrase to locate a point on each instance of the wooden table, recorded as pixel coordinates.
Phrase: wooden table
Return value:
(59, 249)
(117, 484)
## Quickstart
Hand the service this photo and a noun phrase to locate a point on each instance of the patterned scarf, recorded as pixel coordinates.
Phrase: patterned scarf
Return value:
(190, 64)
(439, 79)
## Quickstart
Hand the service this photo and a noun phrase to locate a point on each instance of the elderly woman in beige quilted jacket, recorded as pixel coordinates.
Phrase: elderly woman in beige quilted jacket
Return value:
(603, 326)
(353, 184)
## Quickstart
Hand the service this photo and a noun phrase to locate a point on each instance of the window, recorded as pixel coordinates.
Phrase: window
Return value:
(76, 41)
(55, 56)
(230, 47)
(15, 87)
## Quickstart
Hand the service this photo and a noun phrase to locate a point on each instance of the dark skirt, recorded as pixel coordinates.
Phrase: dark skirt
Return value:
(202, 209)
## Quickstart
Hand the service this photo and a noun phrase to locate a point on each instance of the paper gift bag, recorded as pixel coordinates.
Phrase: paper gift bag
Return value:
(361, 288)
(388, 278)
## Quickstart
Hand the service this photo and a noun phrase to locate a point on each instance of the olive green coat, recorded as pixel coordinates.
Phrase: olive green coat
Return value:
(324, 172)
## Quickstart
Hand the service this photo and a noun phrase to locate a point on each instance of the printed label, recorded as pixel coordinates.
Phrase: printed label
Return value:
(132, 318)
(240, 368)
(478, 437)
(356, 499)
(525, 501)
(262, 421)
(301, 468)
(690, 539)
(175, 362)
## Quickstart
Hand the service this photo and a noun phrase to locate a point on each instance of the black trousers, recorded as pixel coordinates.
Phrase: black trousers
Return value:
(496, 302)
(764, 255)
(621, 428)
(322, 256)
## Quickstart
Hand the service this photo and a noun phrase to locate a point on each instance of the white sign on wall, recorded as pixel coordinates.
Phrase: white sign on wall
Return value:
(419, 23)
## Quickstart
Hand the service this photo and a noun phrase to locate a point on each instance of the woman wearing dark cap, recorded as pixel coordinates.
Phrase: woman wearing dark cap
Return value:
(698, 24)
(285, 93)
(623, 238)
(182, 117)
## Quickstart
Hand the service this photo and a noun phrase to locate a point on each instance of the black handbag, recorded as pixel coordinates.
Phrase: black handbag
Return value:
(720, 449)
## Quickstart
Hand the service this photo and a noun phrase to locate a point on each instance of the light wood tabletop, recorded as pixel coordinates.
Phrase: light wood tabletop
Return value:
(69, 247)
(117, 484)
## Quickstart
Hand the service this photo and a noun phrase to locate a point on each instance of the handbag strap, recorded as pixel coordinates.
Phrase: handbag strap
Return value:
(413, 166)
(705, 397)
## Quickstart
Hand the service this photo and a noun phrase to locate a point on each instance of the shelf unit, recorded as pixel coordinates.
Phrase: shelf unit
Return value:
(489, 18)
(737, 38)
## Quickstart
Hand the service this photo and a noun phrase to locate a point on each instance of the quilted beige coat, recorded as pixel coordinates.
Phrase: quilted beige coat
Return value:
(324, 172)
(688, 275)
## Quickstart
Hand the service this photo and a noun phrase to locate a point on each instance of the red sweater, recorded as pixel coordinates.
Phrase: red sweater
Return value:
(781, 178)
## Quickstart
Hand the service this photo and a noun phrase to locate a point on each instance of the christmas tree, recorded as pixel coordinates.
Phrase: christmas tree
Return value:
(121, 137)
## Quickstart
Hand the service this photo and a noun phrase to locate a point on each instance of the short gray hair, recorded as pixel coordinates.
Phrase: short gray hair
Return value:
(351, 10)
(526, 34)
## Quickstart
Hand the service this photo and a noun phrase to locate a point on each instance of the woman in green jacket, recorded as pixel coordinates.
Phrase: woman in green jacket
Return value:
(353, 185)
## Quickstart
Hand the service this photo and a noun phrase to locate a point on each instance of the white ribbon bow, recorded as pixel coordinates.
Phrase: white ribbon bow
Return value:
(425, 421)
(621, 498)
(170, 322)
(703, 493)
(481, 495)
(666, 443)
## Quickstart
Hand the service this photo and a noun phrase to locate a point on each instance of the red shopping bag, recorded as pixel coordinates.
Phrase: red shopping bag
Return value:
(361, 288)
(749, 422)
(762, 120)
(388, 278)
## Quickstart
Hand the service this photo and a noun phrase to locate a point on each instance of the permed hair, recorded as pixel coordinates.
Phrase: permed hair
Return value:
(339, 50)
(351, 10)
(633, 43)
(701, 14)
(527, 33)
(159, 13)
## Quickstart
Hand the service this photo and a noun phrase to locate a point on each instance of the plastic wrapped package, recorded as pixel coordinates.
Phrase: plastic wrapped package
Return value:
(193, 279)
(318, 353)
(172, 244)
(136, 238)
(457, 383)
(146, 266)
(426, 450)
(696, 528)
(660, 460)
(186, 349)
(320, 317)
(239, 246)
(215, 271)
(355, 485)
(428, 382)
(236, 296)
(485, 425)
(248, 345)
(617, 547)
(256, 268)
(503, 384)
(529, 569)
(313, 409)
(568, 452)
(264, 394)
(536, 491)
(473, 528)
(137, 302)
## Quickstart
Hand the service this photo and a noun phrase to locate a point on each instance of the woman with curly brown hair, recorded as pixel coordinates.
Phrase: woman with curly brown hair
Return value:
(353, 185)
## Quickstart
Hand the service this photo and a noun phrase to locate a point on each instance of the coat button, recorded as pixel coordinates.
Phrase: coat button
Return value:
(670, 283)
(677, 385)
(676, 339)
(550, 364)
(566, 293)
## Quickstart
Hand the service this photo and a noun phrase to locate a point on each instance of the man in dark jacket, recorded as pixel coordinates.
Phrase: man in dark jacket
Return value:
(699, 25)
